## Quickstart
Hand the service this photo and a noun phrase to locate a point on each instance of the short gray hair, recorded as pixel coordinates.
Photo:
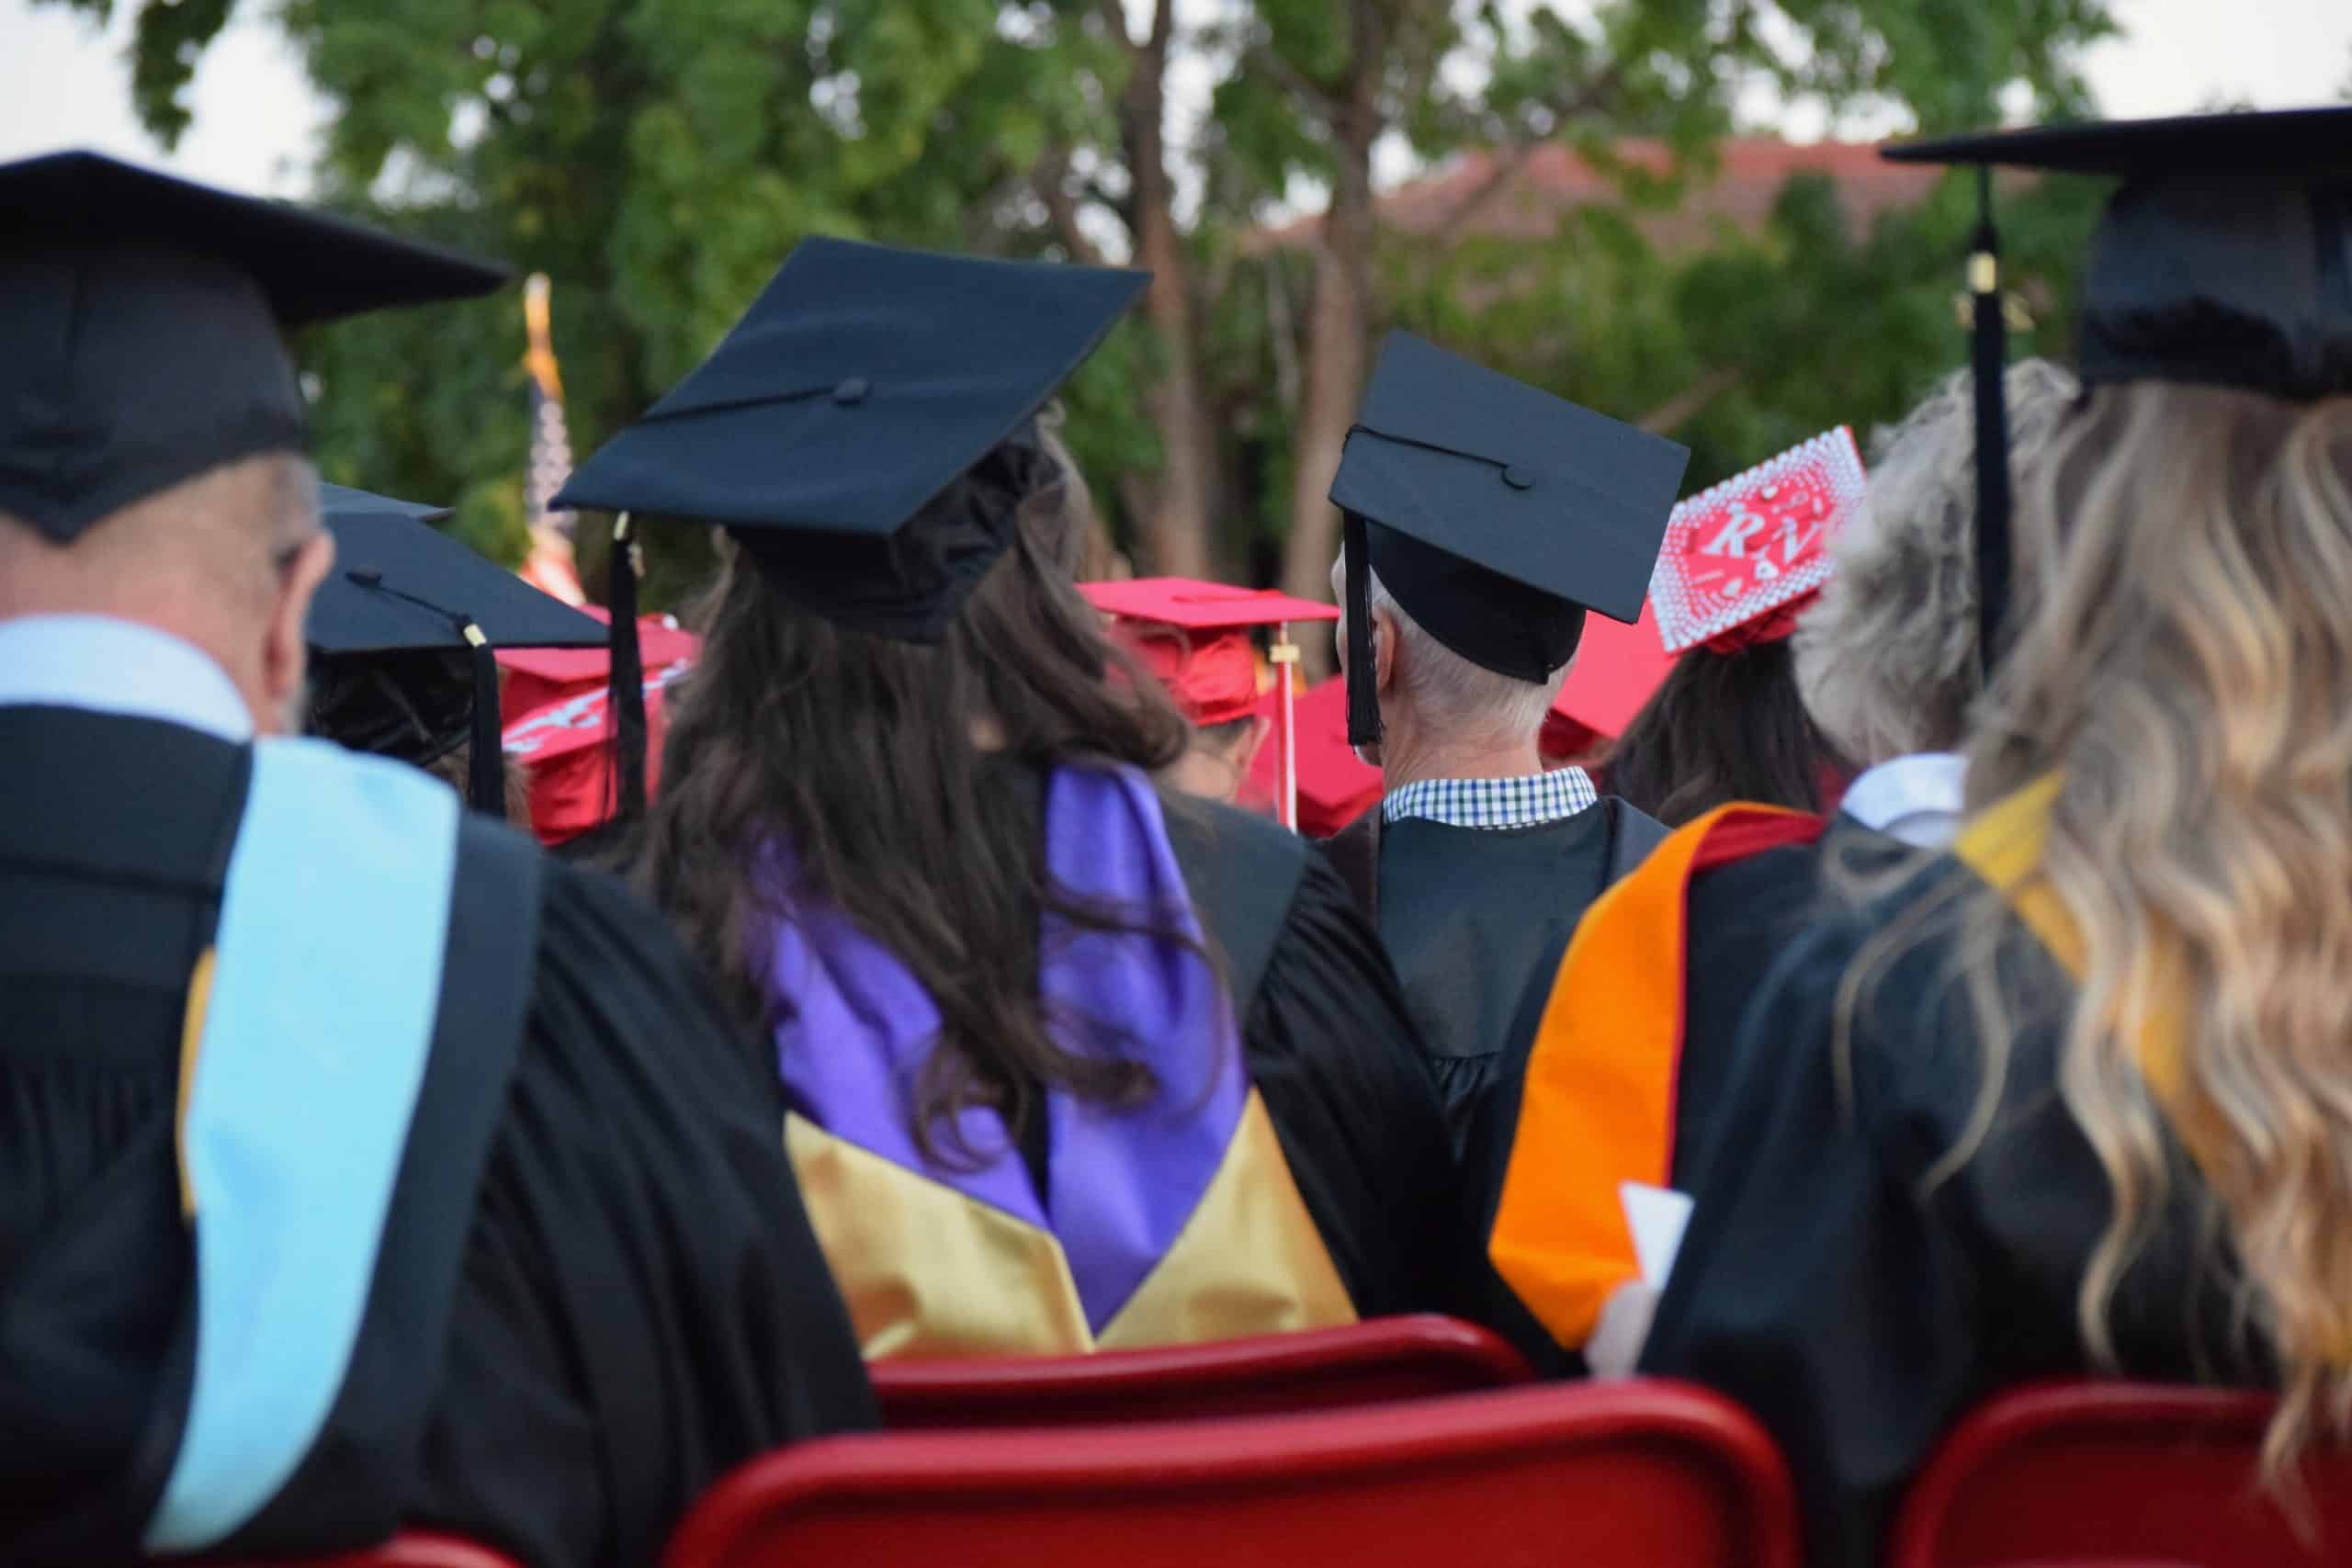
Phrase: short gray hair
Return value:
(1887, 661)
(1450, 693)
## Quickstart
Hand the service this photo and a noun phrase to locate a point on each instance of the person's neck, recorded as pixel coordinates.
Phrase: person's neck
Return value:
(1412, 759)
(1205, 771)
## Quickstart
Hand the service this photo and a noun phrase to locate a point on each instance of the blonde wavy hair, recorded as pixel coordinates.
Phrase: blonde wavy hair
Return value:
(1886, 661)
(2187, 667)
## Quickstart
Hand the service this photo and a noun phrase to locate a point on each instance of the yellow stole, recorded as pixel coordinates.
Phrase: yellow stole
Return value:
(2002, 845)
(927, 1271)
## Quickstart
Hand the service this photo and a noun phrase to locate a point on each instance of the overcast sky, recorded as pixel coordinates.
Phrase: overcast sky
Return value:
(65, 81)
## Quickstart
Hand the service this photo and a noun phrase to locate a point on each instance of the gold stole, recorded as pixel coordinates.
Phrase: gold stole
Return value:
(2002, 845)
(929, 1273)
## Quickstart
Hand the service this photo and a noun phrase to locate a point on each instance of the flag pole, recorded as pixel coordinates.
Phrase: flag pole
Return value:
(552, 565)
(538, 354)
(1283, 656)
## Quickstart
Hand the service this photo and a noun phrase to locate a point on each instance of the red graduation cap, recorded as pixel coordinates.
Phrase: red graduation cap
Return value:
(1334, 785)
(1193, 636)
(1617, 670)
(557, 723)
(538, 676)
(1739, 558)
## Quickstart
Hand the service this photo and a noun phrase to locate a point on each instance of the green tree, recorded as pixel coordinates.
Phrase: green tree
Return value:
(657, 157)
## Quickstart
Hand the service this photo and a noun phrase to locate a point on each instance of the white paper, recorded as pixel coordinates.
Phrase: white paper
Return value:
(1615, 1349)
(1658, 1217)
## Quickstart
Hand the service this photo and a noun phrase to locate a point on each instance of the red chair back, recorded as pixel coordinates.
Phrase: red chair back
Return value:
(1317, 1369)
(1592, 1476)
(2068, 1475)
(409, 1549)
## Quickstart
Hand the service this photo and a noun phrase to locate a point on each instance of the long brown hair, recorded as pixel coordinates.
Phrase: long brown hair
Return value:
(2184, 671)
(903, 779)
(1724, 726)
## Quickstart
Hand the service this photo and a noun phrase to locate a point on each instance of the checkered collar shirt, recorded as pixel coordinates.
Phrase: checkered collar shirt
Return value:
(1524, 802)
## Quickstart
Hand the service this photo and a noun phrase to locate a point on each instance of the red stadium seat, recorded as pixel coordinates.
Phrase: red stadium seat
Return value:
(1575, 1475)
(1317, 1369)
(409, 1549)
(2107, 1474)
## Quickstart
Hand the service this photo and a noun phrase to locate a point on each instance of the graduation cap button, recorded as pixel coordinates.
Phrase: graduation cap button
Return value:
(852, 389)
(1518, 478)
(366, 576)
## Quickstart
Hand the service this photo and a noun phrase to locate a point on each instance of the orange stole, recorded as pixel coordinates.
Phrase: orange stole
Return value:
(927, 1272)
(1598, 1106)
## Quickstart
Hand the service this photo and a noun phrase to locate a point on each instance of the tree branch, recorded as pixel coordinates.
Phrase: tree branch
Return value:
(1282, 332)
(1693, 400)
(1050, 178)
(1114, 17)
(1262, 55)
(1503, 165)
(1511, 156)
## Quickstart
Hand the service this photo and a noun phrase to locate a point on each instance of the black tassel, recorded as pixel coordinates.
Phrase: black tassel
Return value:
(1363, 680)
(627, 694)
(486, 767)
(1990, 358)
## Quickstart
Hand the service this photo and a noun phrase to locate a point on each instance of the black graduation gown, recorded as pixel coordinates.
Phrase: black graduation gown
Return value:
(1334, 1056)
(1741, 918)
(1469, 914)
(1859, 1314)
(639, 1305)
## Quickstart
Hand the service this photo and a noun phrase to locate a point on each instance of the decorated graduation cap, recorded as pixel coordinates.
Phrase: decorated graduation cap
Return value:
(865, 433)
(141, 322)
(557, 702)
(2223, 259)
(1741, 557)
(1496, 513)
(405, 626)
(564, 740)
(1194, 638)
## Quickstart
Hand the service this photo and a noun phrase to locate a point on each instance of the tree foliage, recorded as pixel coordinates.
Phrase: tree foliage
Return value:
(657, 158)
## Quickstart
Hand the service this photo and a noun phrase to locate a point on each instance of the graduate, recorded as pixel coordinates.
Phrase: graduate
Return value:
(2074, 1096)
(358, 1168)
(1621, 1055)
(1484, 518)
(1742, 562)
(1071, 1064)
(1195, 638)
(403, 635)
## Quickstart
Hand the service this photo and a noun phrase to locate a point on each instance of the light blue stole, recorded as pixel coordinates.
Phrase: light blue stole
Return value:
(326, 984)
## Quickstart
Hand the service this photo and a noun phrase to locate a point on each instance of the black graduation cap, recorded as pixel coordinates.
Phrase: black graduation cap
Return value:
(140, 327)
(1496, 513)
(405, 626)
(2223, 259)
(864, 431)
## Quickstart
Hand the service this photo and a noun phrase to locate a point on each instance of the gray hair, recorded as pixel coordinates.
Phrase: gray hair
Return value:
(1450, 693)
(1887, 661)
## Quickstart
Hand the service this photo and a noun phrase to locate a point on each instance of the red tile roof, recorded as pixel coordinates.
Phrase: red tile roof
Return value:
(1530, 200)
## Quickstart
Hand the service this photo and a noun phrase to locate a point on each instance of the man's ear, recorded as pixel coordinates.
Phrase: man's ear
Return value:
(286, 650)
(1246, 753)
(1383, 648)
